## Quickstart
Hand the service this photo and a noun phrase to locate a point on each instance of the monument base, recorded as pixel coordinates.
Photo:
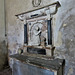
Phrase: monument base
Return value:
(29, 64)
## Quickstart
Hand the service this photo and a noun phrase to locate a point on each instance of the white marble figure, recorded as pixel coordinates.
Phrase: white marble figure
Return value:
(36, 36)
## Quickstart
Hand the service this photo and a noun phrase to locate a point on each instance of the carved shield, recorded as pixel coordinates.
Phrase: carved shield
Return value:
(36, 3)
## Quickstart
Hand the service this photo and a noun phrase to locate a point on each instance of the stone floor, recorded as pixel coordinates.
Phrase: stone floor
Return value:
(6, 72)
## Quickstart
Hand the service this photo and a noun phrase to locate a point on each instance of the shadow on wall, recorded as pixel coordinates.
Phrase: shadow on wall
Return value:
(3, 55)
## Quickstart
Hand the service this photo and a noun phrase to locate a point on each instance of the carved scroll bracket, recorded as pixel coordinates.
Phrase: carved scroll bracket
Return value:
(22, 18)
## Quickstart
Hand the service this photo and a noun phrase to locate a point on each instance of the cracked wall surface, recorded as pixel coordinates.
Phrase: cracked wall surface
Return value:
(63, 29)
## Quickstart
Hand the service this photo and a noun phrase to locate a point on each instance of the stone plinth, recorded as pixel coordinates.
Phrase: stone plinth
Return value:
(36, 65)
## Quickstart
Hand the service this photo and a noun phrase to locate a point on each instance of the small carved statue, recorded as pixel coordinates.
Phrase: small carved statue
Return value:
(36, 36)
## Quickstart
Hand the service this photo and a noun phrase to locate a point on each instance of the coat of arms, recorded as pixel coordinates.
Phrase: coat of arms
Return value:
(36, 3)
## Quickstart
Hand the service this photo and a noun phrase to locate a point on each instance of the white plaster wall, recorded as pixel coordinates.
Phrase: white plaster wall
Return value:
(2, 21)
(3, 49)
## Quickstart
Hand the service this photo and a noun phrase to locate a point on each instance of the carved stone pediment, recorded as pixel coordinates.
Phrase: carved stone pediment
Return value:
(44, 11)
